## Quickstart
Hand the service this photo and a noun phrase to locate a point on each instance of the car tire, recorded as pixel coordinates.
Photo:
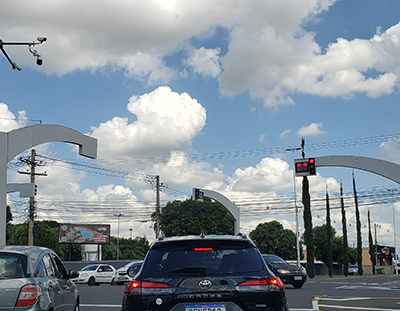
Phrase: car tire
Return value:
(112, 283)
(91, 281)
(298, 285)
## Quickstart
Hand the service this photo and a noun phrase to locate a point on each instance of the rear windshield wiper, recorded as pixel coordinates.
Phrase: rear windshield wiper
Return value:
(191, 270)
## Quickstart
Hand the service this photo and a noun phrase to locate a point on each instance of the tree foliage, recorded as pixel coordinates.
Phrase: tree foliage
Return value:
(46, 234)
(271, 238)
(328, 237)
(128, 248)
(358, 222)
(321, 245)
(344, 231)
(371, 249)
(180, 218)
(308, 233)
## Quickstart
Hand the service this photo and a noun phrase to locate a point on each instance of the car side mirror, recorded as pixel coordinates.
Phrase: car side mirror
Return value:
(72, 274)
(131, 272)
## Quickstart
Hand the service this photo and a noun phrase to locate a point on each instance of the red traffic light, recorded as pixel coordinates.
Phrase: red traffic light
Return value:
(305, 167)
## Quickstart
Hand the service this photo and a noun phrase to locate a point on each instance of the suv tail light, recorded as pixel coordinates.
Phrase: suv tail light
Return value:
(271, 285)
(147, 288)
(28, 295)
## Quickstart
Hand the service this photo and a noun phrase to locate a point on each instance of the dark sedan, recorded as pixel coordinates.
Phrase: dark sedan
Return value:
(289, 274)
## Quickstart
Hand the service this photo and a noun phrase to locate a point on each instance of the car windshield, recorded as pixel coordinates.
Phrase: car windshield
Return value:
(210, 259)
(89, 268)
(12, 266)
(271, 259)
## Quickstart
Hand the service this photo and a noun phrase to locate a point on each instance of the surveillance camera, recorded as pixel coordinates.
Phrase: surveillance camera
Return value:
(16, 66)
(41, 39)
(39, 60)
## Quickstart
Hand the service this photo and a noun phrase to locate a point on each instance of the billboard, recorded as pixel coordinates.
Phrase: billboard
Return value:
(84, 234)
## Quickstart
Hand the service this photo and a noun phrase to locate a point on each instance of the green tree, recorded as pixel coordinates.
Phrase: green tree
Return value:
(46, 235)
(328, 236)
(344, 231)
(308, 233)
(371, 245)
(179, 218)
(358, 221)
(271, 238)
(129, 249)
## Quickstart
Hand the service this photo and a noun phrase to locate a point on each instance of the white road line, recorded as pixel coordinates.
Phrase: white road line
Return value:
(100, 306)
(356, 308)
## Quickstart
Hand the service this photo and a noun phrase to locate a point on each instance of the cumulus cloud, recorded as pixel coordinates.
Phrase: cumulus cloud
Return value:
(166, 121)
(271, 174)
(268, 52)
(314, 129)
(390, 150)
(205, 61)
(8, 121)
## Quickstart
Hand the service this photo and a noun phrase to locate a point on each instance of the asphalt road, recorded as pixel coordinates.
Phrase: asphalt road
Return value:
(352, 293)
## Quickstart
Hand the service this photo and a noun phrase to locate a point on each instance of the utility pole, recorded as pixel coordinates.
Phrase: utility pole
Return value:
(32, 210)
(157, 207)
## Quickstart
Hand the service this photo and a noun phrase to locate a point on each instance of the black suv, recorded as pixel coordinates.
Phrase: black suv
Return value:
(204, 273)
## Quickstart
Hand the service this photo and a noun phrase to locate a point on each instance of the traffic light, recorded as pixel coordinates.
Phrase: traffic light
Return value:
(311, 164)
(198, 194)
(35, 190)
(305, 167)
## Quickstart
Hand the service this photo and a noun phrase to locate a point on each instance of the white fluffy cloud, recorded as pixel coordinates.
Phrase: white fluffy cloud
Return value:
(205, 61)
(166, 121)
(269, 54)
(314, 129)
(8, 121)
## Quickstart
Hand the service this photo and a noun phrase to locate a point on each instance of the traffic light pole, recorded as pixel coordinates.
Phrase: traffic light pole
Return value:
(296, 208)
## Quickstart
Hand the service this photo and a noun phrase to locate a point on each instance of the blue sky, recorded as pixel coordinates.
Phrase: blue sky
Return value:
(200, 85)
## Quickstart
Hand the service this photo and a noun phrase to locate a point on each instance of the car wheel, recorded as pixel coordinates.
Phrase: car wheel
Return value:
(113, 282)
(91, 281)
(298, 285)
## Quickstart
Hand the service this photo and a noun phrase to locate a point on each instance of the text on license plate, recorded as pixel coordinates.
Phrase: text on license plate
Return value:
(205, 307)
(298, 278)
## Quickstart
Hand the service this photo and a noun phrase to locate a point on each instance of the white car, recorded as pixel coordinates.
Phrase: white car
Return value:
(122, 276)
(96, 274)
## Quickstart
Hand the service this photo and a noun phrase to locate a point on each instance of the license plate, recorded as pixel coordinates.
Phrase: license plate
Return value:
(206, 307)
(298, 278)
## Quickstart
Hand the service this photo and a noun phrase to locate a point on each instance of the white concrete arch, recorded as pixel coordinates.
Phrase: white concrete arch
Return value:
(16, 141)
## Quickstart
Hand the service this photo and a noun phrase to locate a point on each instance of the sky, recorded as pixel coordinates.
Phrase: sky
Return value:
(205, 94)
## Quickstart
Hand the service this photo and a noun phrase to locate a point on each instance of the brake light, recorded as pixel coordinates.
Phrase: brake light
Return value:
(135, 287)
(203, 249)
(274, 284)
(28, 295)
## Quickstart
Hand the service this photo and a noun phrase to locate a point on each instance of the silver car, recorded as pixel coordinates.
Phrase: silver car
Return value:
(33, 278)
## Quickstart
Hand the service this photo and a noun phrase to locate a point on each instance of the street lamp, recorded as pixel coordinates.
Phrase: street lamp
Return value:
(295, 205)
(118, 215)
(39, 59)
(394, 233)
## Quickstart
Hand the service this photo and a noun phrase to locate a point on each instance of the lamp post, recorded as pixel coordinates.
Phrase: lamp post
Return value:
(394, 233)
(118, 215)
(295, 205)
(39, 59)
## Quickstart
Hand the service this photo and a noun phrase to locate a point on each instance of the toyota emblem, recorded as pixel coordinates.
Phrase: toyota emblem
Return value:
(205, 284)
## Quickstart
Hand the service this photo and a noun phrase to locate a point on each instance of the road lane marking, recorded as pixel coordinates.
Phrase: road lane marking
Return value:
(100, 306)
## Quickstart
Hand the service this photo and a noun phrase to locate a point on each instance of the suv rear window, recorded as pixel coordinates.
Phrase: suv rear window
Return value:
(12, 266)
(205, 257)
